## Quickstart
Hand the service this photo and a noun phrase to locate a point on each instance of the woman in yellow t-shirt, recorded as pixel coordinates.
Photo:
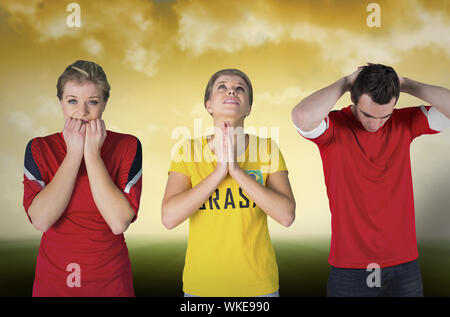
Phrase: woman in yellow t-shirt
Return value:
(226, 184)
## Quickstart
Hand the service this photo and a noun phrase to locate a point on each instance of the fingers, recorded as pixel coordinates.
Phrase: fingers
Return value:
(83, 128)
(77, 125)
(230, 147)
(223, 145)
(97, 125)
(67, 122)
(103, 127)
(92, 126)
(72, 124)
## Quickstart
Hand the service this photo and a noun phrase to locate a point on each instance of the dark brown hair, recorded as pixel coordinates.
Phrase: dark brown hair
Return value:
(379, 82)
(233, 72)
(81, 71)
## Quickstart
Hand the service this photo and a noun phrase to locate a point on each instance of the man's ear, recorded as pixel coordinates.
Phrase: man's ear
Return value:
(352, 97)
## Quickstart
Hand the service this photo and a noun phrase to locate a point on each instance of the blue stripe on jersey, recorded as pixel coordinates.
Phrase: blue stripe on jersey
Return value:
(137, 162)
(30, 163)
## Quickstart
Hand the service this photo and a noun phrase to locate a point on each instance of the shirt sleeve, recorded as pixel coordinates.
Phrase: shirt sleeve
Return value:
(130, 174)
(179, 159)
(33, 181)
(427, 120)
(322, 135)
(275, 160)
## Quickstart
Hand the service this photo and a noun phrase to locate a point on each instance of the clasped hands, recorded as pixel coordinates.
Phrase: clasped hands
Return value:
(226, 150)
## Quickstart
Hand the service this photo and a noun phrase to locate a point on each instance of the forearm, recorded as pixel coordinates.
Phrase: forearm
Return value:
(309, 112)
(48, 206)
(181, 206)
(436, 96)
(109, 199)
(276, 205)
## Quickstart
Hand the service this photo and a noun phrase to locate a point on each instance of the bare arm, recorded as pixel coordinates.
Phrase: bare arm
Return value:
(181, 200)
(48, 206)
(438, 97)
(276, 199)
(309, 113)
(109, 199)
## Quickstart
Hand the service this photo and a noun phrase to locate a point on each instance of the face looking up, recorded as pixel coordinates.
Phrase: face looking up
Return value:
(372, 115)
(82, 100)
(229, 98)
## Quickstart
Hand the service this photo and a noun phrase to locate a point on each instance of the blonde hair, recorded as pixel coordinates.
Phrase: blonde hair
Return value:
(81, 71)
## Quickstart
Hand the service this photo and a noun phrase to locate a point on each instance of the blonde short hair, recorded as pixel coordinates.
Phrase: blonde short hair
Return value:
(81, 71)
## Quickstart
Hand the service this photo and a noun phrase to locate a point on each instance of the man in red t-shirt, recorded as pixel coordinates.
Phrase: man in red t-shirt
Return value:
(366, 161)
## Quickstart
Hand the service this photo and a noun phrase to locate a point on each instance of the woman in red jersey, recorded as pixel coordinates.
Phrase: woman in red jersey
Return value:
(82, 189)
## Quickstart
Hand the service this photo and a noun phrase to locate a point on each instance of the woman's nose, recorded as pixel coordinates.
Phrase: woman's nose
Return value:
(84, 109)
(231, 92)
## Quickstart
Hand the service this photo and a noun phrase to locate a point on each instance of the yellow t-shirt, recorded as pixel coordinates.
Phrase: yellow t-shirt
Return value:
(229, 251)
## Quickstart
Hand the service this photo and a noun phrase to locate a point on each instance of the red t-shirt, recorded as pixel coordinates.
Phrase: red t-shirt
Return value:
(81, 236)
(369, 187)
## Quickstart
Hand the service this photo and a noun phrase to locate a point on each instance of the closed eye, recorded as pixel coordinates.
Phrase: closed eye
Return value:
(367, 115)
(372, 117)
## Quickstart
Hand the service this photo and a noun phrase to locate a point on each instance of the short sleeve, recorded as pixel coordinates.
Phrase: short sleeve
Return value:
(130, 174)
(322, 135)
(179, 159)
(277, 162)
(32, 177)
(426, 120)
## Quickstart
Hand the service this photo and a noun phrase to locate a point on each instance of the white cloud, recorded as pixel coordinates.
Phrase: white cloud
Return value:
(151, 131)
(351, 48)
(53, 29)
(93, 46)
(126, 25)
(49, 107)
(138, 18)
(200, 31)
(287, 97)
(32, 15)
(142, 59)
(25, 124)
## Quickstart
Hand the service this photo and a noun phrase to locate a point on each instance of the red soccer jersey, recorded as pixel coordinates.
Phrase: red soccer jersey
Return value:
(369, 187)
(81, 236)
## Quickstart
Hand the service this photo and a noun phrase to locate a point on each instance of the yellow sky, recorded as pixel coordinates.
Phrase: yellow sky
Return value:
(159, 56)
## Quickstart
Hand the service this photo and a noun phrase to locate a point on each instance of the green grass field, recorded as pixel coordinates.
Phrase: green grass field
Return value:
(157, 267)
